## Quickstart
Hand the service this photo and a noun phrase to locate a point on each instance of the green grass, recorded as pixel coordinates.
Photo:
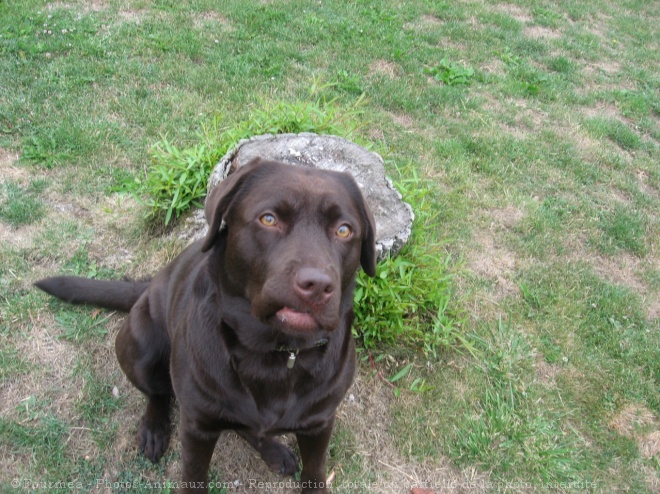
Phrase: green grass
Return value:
(514, 428)
(616, 131)
(519, 325)
(21, 206)
(623, 228)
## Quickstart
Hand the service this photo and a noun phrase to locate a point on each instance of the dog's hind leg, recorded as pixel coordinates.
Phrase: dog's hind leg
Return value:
(143, 352)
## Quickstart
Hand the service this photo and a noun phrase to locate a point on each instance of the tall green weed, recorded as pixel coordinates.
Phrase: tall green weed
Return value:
(408, 302)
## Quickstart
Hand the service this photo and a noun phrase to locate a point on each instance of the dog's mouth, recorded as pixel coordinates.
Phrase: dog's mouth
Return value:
(296, 320)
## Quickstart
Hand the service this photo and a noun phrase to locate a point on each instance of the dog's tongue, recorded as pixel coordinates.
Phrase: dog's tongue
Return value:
(296, 320)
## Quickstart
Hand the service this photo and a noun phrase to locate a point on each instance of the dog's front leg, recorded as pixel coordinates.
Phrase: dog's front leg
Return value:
(313, 448)
(196, 451)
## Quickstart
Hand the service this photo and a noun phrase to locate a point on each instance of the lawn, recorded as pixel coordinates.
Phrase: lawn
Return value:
(525, 355)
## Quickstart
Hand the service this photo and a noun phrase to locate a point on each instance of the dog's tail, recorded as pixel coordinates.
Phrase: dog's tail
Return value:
(115, 295)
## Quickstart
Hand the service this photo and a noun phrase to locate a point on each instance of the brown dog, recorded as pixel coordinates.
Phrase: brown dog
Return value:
(249, 328)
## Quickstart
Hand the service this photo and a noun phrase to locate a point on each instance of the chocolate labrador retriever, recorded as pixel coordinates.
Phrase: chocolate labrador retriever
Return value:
(250, 327)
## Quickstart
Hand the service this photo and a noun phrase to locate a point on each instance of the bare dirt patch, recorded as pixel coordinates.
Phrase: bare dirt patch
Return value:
(17, 237)
(541, 32)
(547, 373)
(653, 309)
(489, 258)
(495, 66)
(86, 7)
(609, 67)
(652, 478)
(643, 177)
(518, 13)
(525, 119)
(598, 26)
(384, 67)
(507, 217)
(112, 244)
(426, 22)
(531, 118)
(649, 444)
(630, 418)
(7, 158)
(405, 121)
(376, 134)
(212, 20)
(8, 170)
(517, 132)
(431, 20)
(624, 269)
(52, 360)
(600, 111)
(493, 103)
(96, 5)
(133, 15)
(634, 421)
(589, 148)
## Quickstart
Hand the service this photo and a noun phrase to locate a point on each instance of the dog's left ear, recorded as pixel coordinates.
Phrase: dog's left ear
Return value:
(217, 203)
(368, 247)
(368, 251)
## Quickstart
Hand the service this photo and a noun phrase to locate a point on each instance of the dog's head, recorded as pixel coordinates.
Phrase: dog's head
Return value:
(291, 240)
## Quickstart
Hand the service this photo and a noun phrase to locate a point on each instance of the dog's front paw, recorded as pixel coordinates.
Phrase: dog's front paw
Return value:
(279, 457)
(153, 438)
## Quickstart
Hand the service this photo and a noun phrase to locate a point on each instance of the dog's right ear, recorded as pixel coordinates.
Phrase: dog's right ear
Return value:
(220, 198)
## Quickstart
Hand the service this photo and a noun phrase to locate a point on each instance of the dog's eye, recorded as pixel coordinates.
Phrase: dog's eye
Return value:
(344, 231)
(268, 219)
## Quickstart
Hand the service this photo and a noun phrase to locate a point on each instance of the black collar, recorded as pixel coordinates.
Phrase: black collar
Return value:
(288, 349)
(293, 352)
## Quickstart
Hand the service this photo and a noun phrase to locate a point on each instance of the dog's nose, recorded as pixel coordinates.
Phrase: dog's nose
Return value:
(313, 285)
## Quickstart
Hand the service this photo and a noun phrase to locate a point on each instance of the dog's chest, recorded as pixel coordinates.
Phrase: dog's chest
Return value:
(283, 405)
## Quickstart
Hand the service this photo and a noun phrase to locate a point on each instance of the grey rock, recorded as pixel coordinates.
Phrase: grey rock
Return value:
(393, 216)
